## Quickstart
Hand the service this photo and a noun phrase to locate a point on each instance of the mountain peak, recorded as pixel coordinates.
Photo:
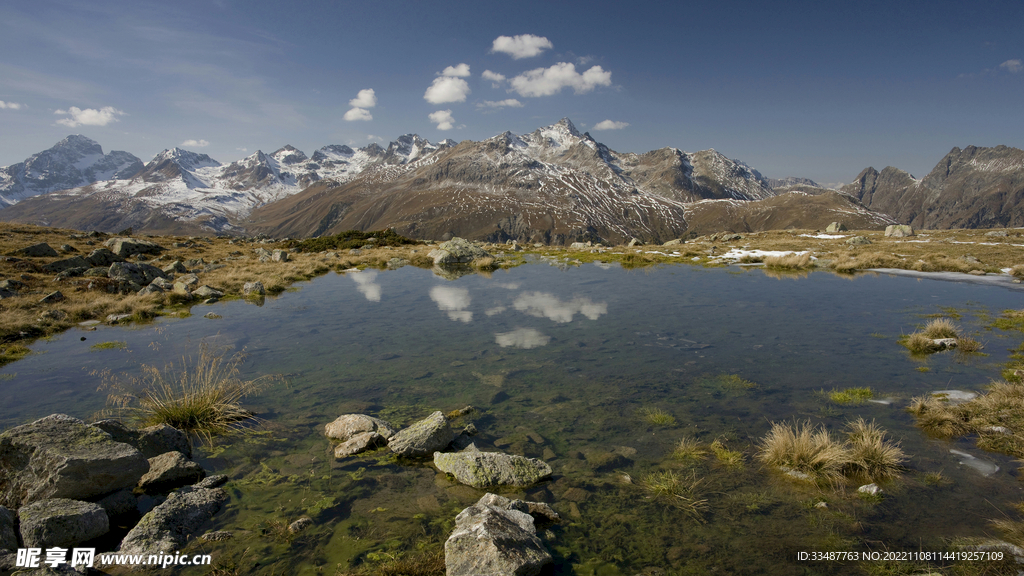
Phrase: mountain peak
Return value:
(80, 144)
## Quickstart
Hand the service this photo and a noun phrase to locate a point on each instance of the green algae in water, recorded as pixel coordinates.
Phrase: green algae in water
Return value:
(110, 346)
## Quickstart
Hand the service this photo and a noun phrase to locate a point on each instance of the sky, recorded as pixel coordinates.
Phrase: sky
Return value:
(814, 89)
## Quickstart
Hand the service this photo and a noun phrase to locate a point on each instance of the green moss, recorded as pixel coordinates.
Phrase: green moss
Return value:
(851, 395)
(115, 345)
(657, 416)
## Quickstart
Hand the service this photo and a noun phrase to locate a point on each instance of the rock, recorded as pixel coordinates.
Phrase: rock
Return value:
(11, 285)
(359, 443)
(254, 289)
(423, 438)
(120, 502)
(490, 540)
(977, 273)
(212, 315)
(40, 250)
(279, 256)
(348, 425)
(71, 273)
(189, 280)
(870, 489)
(8, 538)
(899, 231)
(858, 241)
(101, 257)
(541, 512)
(997, 234)
(175, 267)
(61, 457)
(300, 525)
(134, 274)
(67, 264)
(168, 526)
(151, 441)
(205, 291)
(170, 470)
(675, 242)
(125, 247)
(835, 227)
(396, 263)
(944, 343)
(481, 469)
(61, 522)
(214, 481)
(55, 315)
(217, 536)
(52, 298)
(457, 251)
(118, 318)
(182, 289)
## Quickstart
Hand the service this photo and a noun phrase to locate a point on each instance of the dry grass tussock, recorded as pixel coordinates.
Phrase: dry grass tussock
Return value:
(201, 396)
(672, 487)
(789, 261)
(997, 417)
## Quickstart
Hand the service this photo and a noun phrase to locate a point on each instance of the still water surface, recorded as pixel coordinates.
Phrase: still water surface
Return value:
(560, 363)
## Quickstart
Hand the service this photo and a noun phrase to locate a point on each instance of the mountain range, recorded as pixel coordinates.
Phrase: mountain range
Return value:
(553, 185)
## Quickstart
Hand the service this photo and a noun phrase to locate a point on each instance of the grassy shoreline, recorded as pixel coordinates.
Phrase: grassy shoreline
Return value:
(227, 263)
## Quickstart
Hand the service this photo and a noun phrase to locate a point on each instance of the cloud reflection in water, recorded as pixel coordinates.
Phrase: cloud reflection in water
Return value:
(522, 338)
(547, 305)
(365, 284)
(453, 301)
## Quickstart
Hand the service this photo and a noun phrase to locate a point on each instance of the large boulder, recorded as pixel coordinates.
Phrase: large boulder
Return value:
(152, 441)
(167, 527)
(346, 426)
(169, 471)
(134, 274)
(61, 522)
(899, 230)
(457, 251)
(8, 538)
(835, 227)
(67, 264)
(101, 257)
(40, 250)
(125, 247)
(61, 457)
(482, 469)
(491, 540)
(423, 438)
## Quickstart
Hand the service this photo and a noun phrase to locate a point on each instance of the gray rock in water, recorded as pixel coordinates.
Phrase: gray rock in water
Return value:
(8, 538)
(835, 227)
(168, 526)
(61, 457)
(151, 441)
(899, 230)
(359, 443)
(205, 291)
(125, 247)
(346, 426)
(481, 469)
(490, 540)
(169, 471)
(457, 251)
(300, 525)
(37, 251)
(61, 522)
(254, 289)
(120, 502)
(423, 438)
(541, 512)
(215, 481)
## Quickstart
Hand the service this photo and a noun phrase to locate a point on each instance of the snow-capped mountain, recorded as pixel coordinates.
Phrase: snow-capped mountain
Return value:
(74, 161)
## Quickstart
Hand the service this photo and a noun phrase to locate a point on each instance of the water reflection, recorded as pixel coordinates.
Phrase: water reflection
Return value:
(547, 305)
(365, 283)
(452, 300)
(522, 338)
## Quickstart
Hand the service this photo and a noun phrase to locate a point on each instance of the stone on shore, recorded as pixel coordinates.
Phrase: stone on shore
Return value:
(482, 469)
(457, 251)
(423, 438)
(169, 471)
(152, 441)
(61, 457)
(491, 540)
(168, 526)
(61, 522)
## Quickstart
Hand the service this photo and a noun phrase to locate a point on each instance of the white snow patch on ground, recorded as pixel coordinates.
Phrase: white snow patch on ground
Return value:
(824, 236)
(736, 253)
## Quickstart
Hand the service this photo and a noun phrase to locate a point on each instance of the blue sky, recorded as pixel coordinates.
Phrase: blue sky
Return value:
(815, 89)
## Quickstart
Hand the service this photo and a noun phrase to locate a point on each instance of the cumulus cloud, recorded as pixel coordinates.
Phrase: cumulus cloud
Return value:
(9, 105)
(191, 143)
(88, 117)
(447, 89)
(1013, 66)
(443, 119)
(357, 114)
(460, 70)
(365, 99)
(521, 46)
(495, 78)
(509, 103)
(549, 81)
(610, 125)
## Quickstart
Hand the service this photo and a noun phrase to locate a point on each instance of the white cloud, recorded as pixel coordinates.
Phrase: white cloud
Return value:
(460, 70)
(372, 137)
(493, 76)
(365, 99)
(548, 81)
(510, 103)
(88, 117)
(9, 105)
(447, 89)
(357, 114)
(242, 149)
(610, 125)
(443, 119)
(1013, 66)
(521, 46)
(195, 143)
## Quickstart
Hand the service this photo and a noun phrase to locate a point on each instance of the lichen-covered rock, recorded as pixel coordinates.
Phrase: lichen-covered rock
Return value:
(423, 438)
(61, 457)
(346, 426)
(167, 527)
(899, 230)
(125, 247)
(134, 274)
(457, 251)
(254, 289)
(61, 522)
(102, 257)
(37, 251)
(205, 291)
(120, 502)
(359, 443)
(541, 512)
(858, 241)
(279, 256)
(170, 470)
(152, 441)
(490, 540)
(481, 469)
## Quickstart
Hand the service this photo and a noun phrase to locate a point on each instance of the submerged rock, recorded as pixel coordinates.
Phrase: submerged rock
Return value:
(61, 522)
(481, 469)
(359, 443)
(491, 540)
(980, 465)
(61, 457)
(423, 438)
(346, 426)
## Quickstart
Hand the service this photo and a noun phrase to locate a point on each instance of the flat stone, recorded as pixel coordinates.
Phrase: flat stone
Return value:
(346, 426)
(125, 247)
(52, 298)
(61, 522)
(170, 470)
(482, 469)
(151, 441)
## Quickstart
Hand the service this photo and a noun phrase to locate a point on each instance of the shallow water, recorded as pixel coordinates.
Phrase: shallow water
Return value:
(560, 363)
